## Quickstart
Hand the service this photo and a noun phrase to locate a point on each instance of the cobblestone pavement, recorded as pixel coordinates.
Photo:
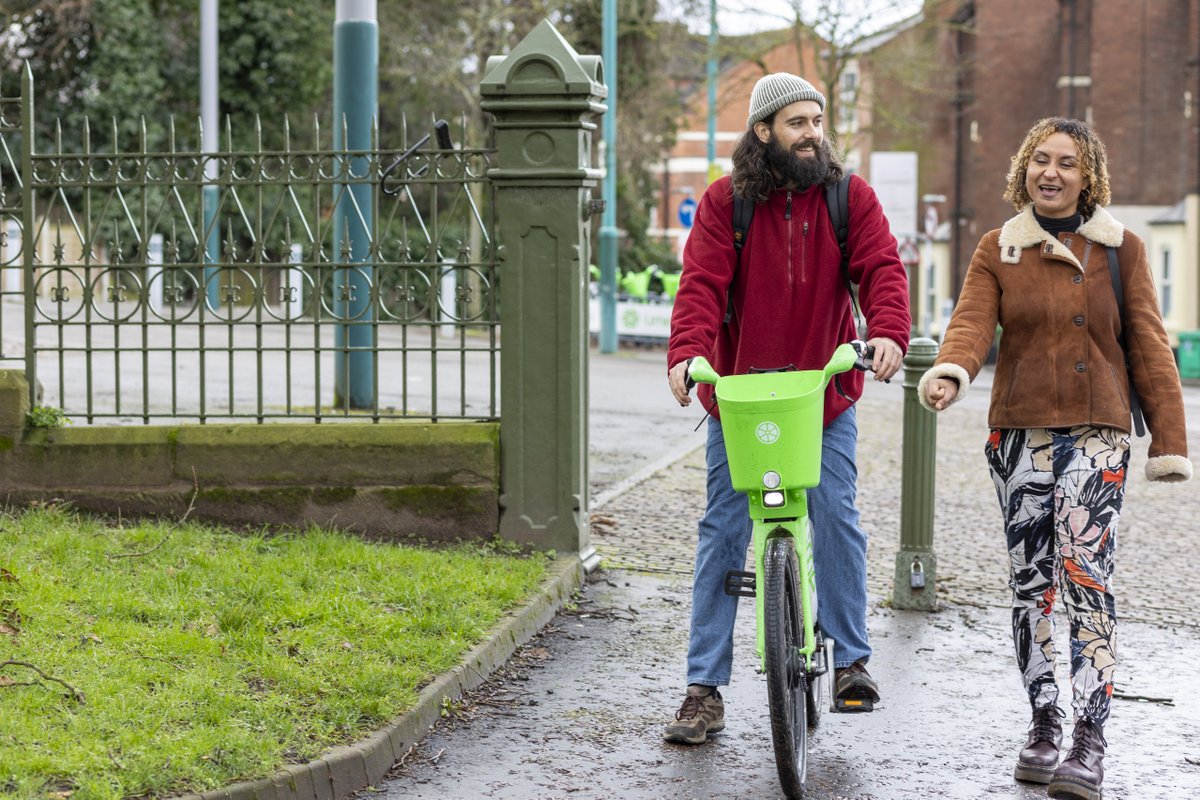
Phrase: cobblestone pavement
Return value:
(651, 527)
(577, 714)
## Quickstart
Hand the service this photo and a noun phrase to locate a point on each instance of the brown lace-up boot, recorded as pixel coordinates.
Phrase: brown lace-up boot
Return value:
(1079, 776)
(1037, 761)
(702, 713)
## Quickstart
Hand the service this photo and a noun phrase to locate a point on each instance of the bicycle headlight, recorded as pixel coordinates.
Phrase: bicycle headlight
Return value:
(773, 499)
(771, 479)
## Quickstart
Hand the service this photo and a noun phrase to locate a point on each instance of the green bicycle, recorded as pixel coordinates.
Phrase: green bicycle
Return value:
(772, 425)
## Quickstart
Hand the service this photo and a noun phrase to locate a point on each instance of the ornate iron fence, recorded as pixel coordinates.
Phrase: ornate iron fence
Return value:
(119, 300)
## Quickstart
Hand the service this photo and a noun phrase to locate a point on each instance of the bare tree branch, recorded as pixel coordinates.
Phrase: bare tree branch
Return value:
(75, 693)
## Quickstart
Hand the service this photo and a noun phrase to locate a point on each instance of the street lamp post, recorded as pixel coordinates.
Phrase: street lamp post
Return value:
(712, 91)
(210, 138)
(355, 106)
(608, 220)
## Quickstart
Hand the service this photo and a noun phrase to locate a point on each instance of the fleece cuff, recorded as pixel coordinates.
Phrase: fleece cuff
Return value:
(1170, 469)
(952, 371)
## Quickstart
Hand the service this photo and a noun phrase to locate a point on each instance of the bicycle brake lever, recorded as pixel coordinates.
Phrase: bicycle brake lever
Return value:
(866, 353)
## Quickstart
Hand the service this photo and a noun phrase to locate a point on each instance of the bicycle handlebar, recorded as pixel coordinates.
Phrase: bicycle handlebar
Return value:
(852, 355)
(866, 352)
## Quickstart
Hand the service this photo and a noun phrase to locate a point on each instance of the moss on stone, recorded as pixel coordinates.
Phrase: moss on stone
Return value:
(332, 495)
(431, 499)
(285, 499)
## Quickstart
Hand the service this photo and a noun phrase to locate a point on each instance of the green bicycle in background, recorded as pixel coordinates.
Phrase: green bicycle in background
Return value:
(772, 423)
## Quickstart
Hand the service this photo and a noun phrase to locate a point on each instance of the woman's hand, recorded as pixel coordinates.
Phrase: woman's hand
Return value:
(940, 393)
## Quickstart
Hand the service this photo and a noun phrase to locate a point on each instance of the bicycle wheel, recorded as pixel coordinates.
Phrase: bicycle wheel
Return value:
(784, 634)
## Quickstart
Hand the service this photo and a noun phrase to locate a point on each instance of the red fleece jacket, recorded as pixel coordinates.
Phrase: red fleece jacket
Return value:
(790, 303)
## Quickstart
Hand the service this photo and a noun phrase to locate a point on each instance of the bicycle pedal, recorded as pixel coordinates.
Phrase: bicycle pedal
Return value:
(739, 584)
(853, 705)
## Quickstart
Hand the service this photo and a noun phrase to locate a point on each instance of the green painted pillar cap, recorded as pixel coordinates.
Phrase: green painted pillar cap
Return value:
(544, 64)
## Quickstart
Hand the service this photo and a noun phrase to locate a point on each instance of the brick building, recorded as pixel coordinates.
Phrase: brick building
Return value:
(1131, 68)
(961, 84)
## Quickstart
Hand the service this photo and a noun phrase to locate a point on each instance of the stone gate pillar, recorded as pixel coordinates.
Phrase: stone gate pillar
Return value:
(544, 99)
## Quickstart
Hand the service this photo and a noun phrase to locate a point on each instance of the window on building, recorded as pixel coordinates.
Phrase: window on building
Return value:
(847, 121)
(1164, 281)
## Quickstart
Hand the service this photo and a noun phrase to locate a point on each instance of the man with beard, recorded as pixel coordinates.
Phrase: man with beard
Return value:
(791, 308)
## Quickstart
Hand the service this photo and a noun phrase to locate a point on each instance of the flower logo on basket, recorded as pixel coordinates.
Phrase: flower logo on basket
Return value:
(767, 432)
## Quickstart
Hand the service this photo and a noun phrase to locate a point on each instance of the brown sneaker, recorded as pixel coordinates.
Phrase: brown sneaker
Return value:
(1037, 761)
(855, 689)
(702, 713)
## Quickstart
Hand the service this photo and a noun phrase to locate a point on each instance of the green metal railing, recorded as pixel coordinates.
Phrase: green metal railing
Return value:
(111, 307)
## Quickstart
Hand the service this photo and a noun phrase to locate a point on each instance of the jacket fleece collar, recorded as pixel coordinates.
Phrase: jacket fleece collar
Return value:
(1023, 231)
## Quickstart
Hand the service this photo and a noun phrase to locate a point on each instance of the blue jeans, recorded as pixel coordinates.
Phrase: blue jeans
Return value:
(839, 549)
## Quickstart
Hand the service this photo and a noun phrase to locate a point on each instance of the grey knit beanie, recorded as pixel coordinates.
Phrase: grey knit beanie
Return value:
(773, 92)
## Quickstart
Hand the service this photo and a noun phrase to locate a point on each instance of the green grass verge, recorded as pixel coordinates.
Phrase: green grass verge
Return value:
(202, 657)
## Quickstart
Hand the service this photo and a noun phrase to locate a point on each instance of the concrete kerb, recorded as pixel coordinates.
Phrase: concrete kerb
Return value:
(618, 489)
(345, 770)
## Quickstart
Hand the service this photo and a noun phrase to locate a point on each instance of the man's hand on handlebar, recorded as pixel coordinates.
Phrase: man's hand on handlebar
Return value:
(678, 379)
(888, 358)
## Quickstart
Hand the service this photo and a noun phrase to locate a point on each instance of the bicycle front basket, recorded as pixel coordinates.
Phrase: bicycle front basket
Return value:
(772, 421)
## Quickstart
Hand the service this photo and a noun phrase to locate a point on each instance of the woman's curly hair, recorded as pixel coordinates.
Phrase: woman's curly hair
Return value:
(1093, 158)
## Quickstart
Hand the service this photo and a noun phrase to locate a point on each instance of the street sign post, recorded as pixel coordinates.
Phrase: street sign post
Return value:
(687, 211)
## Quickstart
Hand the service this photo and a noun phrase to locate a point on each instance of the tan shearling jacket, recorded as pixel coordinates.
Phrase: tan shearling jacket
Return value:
(1059, 361)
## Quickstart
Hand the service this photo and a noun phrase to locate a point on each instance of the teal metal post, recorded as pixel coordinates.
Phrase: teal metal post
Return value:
(713, 35)
(608, 221)
(355, 105)
(544, 99)
(212, 243)
(916, 564)
(210, 136)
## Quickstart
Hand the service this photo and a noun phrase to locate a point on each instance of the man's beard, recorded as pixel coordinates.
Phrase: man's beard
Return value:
(799, 172)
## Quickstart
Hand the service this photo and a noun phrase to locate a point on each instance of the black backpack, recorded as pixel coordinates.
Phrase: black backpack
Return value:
(837, 200)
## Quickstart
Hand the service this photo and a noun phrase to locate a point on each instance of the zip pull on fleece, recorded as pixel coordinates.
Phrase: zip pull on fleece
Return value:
(787, 214)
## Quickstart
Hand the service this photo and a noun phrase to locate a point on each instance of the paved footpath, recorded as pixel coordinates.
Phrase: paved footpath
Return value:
(577, 713)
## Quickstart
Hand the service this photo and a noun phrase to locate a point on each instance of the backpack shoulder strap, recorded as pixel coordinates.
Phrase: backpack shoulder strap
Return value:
(1135, 405)
(837, 199)
(743, 213)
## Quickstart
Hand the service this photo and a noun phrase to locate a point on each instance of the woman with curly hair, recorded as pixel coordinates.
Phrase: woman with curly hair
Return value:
(1060, 412)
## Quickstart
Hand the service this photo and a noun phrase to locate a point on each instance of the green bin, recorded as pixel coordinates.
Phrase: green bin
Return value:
(1189, 354)
(670, 282)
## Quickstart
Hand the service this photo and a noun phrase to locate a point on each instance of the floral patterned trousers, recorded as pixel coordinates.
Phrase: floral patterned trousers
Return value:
(1060, 491)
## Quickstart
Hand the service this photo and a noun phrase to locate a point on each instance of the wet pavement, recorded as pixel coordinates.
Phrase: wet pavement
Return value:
(578, 712)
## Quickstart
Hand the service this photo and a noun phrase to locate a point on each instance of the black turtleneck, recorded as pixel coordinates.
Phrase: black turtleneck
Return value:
(1055, 226)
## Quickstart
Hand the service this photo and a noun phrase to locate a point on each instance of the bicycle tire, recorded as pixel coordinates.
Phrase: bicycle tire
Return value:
(784, 634)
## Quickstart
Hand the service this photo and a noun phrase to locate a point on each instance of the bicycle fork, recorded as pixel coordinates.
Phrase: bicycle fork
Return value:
(751, 584)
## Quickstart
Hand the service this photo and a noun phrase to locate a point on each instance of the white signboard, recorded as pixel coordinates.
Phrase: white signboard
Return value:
(643, 320)
(894, 179)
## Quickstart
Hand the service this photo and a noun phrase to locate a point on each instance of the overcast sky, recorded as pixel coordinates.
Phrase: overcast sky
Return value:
(737, 17)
